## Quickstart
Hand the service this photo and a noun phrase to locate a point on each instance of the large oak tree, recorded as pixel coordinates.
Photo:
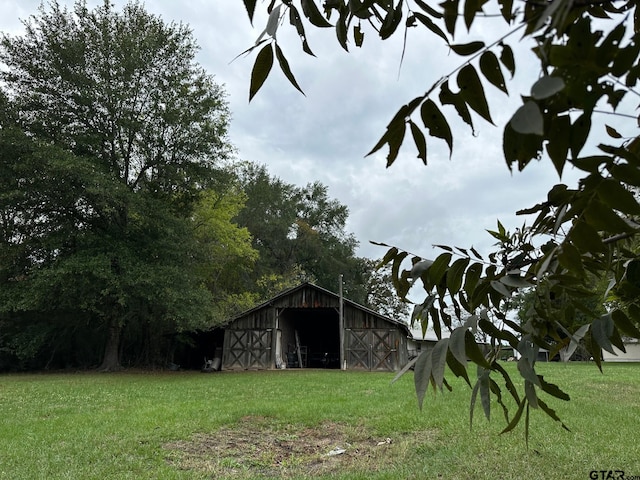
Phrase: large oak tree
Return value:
(123, 132)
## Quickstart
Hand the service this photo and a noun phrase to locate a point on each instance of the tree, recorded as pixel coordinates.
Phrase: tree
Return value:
(139, 130)
(229, 255)
(587, 54)
(299, 233)
(380, 295)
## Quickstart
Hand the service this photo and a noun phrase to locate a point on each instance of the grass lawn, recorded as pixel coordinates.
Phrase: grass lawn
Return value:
(283, 424)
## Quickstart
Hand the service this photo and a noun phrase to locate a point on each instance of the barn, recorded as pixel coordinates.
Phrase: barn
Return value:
(310, 327)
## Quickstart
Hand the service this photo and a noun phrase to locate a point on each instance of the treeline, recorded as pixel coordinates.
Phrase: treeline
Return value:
(124, 217)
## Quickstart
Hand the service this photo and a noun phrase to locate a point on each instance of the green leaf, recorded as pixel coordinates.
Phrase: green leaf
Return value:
(466, 49)
(261, 69)
(576, 338)
(472, 277)
(396, 131)
(273, 22)
(495, 389)
(473, 350)
(625, 59)
(579, 133)
(485, 391)
(422, 375)
(480, 295)
(548, 12)
(342, 29)
(419, 140)
(473, 92)
(436, 122)
(516, 418)
(455, 275)
(601, 332)
(558, 141)
(435, 322)
(603, 218)
(358, 35)
(506, 7)
(457, 368)
(419, 268)
(284, 65)
(526, 370)
(424, 6)
(390, 255)
(570, 258)
(410, 364)
(359, 9)
(623, 323)
(528, 119)
(585, 238)
(490, 68)
(551, 413)
(438, 361)
(310, 10)
(625, 173)
(447, 97)
(596, 352)
(612, 132)
(615, 195)
(250, 5)
(511, 388)
(530, 393)
(457, 345)
(546, 87)
(515, 281)
(395, 268)
(427, 22)
(519, 148)
(450, 8)
(391, 21)
(439, 268)
(507, 59)
(501, 288)
(471, 8)
(552, 389)
(592, 163)
(294, 19)
(472, 403)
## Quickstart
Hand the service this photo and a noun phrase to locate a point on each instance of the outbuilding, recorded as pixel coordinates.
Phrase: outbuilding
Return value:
(310, 327)
(631, 353)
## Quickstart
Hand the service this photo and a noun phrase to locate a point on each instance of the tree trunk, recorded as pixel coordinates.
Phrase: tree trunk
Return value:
(111, 359)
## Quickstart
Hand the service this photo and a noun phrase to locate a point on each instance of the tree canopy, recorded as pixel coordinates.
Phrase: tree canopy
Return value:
(586, 53)
(300, 235)
(112, 138)
(124, 217)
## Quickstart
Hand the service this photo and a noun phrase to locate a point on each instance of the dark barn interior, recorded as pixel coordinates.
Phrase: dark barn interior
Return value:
(318, 337)
(192, 348)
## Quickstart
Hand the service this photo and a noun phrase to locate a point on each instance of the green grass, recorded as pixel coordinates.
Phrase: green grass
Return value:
(281, 425)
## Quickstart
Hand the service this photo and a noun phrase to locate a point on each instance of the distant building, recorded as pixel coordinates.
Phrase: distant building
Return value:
(632, 354)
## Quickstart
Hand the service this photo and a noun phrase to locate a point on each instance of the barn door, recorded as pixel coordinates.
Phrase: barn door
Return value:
(369, 349)
(248, 349)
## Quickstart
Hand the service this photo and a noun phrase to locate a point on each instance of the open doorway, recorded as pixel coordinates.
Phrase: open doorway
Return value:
(310, 337)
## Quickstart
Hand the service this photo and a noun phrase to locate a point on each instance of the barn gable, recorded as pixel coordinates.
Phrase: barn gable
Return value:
(302, 327)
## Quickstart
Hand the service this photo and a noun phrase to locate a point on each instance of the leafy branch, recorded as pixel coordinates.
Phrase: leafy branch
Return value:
(578, 235)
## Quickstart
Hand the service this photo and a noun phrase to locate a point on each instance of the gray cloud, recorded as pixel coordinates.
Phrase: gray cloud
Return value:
(350, 98)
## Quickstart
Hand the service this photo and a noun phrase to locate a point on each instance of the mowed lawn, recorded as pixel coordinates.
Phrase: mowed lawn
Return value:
(306, 424)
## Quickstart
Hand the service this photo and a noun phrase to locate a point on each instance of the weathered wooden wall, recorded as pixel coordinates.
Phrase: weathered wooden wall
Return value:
(371, 342)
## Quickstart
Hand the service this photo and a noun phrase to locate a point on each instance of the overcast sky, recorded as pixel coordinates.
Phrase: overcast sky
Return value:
(350, 98)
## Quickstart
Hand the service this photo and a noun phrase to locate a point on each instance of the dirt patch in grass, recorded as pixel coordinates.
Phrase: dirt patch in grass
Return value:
(259, 447)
